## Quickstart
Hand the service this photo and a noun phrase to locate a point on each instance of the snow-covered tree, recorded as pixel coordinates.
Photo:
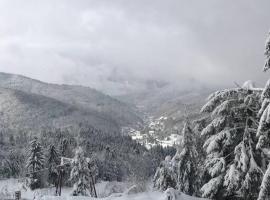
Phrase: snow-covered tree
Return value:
(52, 162)
(263, 134)
(165, 176)
(264, 115)
(80, 174)
(232, 162)
(267, 53)
(14, 163)
(35, 163)
(185, 163)
(265, 186)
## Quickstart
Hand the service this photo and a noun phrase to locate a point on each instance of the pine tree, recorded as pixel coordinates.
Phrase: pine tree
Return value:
(185, 163)
(165, 176)
(232, 162)
(80, 174)
(35, 163)
(52, 162)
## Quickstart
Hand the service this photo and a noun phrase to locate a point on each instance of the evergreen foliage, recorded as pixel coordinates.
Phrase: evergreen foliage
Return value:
(165, 176)
(52, 162)
(232, 162)
(186, 164)
(35, 163)
(80, 174)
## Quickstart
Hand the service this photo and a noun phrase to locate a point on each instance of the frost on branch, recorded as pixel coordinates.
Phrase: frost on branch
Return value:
(219, 97)
(216, 125)
(263, 128)
(216, 142)
(215, 165)
(212, 187)
(232, 179)
(249, 168)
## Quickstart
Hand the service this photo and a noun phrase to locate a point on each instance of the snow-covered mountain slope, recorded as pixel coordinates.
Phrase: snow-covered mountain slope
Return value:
(84, 98)
(20, 110)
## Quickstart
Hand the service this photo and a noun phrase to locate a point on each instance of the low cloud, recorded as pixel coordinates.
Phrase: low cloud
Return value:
(116, 45)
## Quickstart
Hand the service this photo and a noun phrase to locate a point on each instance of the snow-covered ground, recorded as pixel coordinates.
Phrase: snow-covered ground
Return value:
(141, 196)
(105, 190)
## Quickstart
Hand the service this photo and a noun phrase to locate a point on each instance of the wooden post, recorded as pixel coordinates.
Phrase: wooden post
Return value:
(60, 181)
(58, 185)
(93, 185)
(18, 195)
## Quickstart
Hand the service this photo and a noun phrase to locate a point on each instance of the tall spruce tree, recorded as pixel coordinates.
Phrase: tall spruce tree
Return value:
(232, 163)
(35, 163)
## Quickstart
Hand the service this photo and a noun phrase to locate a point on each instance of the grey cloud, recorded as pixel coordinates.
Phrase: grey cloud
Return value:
(113, 45)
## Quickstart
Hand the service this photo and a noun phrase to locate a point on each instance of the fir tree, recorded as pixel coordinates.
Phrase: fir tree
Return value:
(35, 163)
(185, 163)
(52, 162)
(80, 174)
(232, 162)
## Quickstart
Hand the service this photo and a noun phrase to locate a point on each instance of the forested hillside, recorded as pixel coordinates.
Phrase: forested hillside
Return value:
(84, 98)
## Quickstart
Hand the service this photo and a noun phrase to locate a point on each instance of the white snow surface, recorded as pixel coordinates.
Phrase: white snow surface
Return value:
(119, 192)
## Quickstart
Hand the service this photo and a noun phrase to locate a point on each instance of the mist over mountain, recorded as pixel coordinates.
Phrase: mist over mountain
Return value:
(158, 98)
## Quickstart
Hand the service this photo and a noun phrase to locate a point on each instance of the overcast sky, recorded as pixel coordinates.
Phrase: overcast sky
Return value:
(104, 44)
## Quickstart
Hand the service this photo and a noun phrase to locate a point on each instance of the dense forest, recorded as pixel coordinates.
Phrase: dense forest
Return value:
(116, 157)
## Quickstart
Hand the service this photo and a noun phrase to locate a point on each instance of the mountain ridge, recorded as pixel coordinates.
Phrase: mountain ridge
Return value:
(84, 98)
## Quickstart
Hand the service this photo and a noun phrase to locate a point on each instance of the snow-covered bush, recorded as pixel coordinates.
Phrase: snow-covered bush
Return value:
(165, 176)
